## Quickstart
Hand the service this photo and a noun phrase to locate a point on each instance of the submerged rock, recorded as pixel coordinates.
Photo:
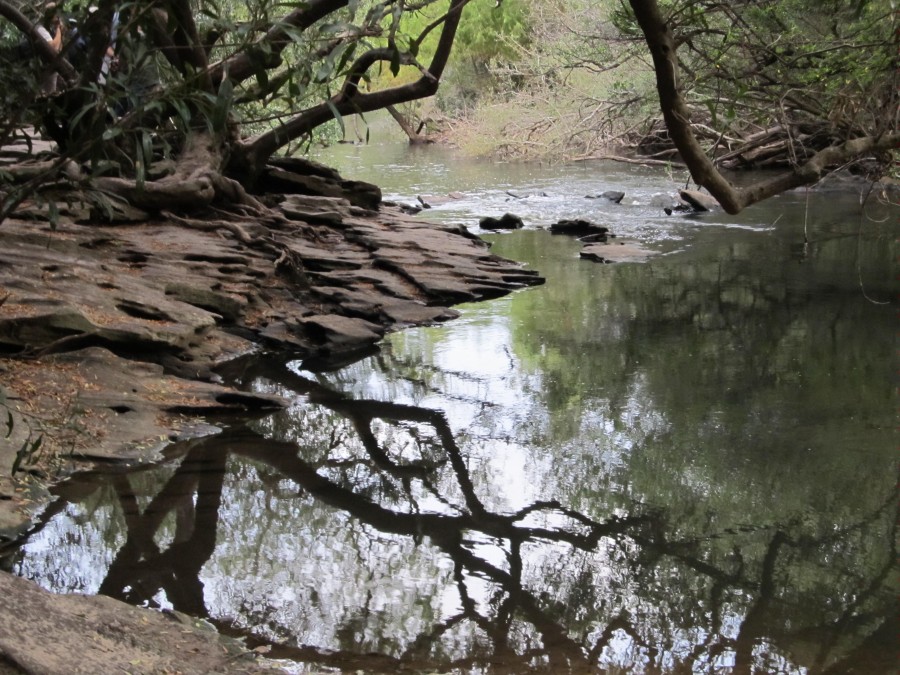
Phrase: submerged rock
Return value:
(624, 251)
(614, 196)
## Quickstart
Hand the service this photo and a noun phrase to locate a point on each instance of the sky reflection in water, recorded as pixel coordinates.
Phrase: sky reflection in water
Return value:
(681, 466)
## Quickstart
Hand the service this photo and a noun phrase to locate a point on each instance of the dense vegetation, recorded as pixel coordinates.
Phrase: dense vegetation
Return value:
(790, 77)
(197, 96)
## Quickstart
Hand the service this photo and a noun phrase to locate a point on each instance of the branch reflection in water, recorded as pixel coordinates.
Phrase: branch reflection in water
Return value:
(360, 542)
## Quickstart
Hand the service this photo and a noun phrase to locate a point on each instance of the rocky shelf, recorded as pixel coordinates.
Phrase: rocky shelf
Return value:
(111, 333)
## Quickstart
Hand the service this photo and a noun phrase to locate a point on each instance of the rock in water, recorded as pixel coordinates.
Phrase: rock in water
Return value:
(614, 196)
(507, 221)
(578, 228)
(699, 201)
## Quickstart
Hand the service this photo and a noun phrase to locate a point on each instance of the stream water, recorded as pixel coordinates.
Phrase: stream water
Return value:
(683, 465)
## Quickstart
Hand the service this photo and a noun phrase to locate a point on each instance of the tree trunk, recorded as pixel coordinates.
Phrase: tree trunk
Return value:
(675, 111)
(198, 181)
(415, 138)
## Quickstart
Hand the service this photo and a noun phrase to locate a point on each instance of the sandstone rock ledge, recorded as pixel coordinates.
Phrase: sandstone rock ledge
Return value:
(110, 337)
(111, 334)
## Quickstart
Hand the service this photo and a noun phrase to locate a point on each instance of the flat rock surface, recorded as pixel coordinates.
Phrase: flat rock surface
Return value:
(113, 332)
(111, 335)
(95, 635)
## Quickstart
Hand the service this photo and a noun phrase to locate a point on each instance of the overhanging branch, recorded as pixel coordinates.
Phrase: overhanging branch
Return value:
(662, 45)
(350, 100)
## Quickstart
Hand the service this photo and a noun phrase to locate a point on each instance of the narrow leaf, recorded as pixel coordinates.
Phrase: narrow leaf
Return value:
(337, 116)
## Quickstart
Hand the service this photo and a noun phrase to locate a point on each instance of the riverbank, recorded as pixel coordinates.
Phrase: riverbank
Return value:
(112, 332)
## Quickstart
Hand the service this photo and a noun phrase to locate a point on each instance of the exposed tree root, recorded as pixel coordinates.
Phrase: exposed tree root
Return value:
(208, 225)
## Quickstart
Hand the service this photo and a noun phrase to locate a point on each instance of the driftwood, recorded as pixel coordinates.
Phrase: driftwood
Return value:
(644, 161)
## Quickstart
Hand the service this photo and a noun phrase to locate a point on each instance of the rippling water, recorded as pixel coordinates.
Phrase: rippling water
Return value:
(686, 465)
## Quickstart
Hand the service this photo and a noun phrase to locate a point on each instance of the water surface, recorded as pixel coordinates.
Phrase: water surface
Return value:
(686, 465)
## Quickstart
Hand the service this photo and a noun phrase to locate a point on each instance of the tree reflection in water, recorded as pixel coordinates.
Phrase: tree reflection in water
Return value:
(542, 588)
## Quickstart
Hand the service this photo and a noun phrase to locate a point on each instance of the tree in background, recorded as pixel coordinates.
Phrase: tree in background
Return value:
(199, 95)
(765, 84)
(809, 86)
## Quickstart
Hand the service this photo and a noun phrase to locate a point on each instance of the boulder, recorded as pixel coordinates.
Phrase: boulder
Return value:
(578, 228)
(699, 201)
(614, 196)
(507, 221)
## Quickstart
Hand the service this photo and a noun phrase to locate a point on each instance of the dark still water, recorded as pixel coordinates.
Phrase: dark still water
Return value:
(682, 466)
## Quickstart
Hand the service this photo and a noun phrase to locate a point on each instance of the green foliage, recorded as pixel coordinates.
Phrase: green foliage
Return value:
(818, 73)
(141, 111)
(494, 32)
(573, 86)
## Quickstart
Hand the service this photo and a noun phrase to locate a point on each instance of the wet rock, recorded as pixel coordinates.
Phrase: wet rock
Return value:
(614, 196)
(415, 314)
(182, 300)
(664, 201)
(341, 332)
(358, 193)
(507, 221)
(45, 630)
(229, 307)
(577, 228)
(410, 209)
(699, 201)
(594, 238)
(316, 209)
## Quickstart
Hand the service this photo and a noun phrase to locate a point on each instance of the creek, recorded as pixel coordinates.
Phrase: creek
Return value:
(682, 465)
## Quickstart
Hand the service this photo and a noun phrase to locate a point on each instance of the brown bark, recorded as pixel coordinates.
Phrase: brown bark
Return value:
(241, 66)
(197, 182)
(412, 134)
(662, 44)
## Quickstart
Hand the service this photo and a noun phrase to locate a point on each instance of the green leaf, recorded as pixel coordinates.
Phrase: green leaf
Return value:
(183, 111)
(111, 132)
(222, 106)
(53, 214)
(337, 115)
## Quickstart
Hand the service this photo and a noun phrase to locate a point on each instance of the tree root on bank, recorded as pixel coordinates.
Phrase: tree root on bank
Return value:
(180, 192)
(209, 225)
